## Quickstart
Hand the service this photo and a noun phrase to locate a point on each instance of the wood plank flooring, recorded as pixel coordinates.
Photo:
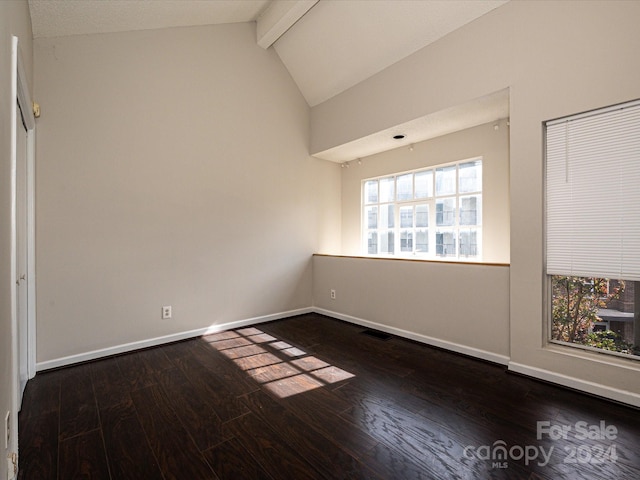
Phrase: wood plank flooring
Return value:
(312, 397)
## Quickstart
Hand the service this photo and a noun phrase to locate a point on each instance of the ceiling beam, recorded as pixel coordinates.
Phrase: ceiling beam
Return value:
(279, 17)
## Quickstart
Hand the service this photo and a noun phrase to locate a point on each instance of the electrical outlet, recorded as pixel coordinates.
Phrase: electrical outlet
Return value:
(166, 312)
(333, 294)
(7, 430)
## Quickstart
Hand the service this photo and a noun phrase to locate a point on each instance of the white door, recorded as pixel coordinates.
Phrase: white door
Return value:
(21, 252)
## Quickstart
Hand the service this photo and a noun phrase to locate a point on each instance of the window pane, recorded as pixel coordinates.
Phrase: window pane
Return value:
(372, 243)
(596, 312)
(470, 175)
(446, 180)
(469, 243)
(372, 217)
(422, 215)
(387, 189)
(386, 216)
(406, 217)
(470, 210)
(406, 241)
(445, 243)
(405, 187)
(424, 184)
(386, 242)
(445, 211)
(422, 241)
(371, 191)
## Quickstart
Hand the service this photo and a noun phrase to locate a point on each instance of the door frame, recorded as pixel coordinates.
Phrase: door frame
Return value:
(20, 96)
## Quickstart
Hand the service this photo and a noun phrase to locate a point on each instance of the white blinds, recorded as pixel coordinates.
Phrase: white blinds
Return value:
(593, 193)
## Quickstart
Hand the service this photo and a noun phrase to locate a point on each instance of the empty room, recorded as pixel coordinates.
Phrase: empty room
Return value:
(326, 239)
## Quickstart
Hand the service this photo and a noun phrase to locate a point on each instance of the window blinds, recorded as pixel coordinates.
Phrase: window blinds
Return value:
(593, 193)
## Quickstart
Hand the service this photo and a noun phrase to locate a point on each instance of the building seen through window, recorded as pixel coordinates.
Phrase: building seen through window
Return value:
(428, 213)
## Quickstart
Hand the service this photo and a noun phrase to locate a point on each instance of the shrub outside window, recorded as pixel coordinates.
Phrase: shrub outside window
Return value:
(594, 312)
(427, 213)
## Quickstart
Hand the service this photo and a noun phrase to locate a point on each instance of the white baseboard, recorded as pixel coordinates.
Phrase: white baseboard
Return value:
(622, 396)
(611, 393)
(174, 337)
(436, 342)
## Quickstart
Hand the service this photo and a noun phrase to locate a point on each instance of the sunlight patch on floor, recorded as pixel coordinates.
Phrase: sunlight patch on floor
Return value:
(283, 369)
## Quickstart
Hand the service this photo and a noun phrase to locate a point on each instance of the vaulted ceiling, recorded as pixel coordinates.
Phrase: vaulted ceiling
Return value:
(328, 46)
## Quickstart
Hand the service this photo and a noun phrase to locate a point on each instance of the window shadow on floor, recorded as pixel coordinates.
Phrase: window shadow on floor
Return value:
(278, 366)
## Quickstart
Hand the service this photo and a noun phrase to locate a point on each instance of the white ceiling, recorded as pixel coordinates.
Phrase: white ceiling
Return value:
(339, 43)
(52, 18)
(328, 46)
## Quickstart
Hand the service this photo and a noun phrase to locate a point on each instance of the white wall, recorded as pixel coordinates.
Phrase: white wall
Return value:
(463, 307)
(485, 141)
(14, 20)
(557, 58)
(173, 169)
(456, 306)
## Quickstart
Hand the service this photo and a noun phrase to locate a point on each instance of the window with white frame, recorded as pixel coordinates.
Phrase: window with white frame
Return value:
(429, 213)
(593, 229)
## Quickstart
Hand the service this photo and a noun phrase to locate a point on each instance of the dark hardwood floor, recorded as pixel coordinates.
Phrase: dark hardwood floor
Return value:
(311, 397)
